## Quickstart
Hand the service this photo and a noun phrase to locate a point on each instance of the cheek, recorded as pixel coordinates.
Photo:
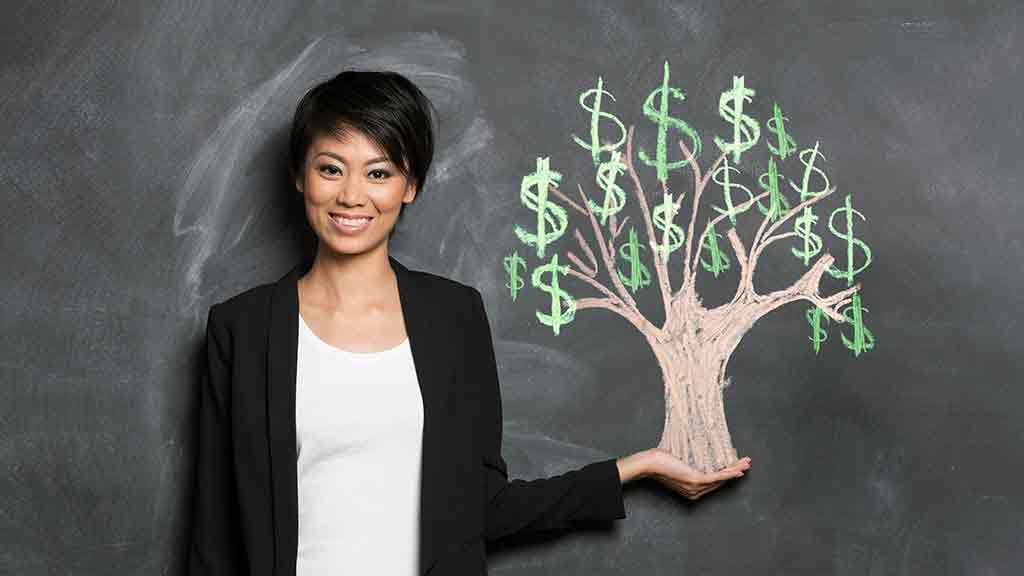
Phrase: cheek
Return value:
(389, 200)
(318, 192)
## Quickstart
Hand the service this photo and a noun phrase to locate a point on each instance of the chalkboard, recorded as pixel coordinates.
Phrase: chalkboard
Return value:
(145, 179)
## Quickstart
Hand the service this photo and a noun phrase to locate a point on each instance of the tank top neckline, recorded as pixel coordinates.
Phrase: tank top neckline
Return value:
(323, 345)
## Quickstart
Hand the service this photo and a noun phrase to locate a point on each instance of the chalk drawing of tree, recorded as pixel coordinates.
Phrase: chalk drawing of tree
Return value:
(694, 344)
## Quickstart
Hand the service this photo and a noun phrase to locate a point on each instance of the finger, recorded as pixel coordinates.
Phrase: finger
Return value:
(734, 470)
(739, 465)
(701, 478)
(685, 489)
(707, 489)
(695, 490)
(676, 485)
(710, 477)
(726, 474)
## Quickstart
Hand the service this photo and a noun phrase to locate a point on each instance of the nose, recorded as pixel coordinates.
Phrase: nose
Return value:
(351, 194)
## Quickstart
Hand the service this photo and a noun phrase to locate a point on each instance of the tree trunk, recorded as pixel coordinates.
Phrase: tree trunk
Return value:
(695, 429)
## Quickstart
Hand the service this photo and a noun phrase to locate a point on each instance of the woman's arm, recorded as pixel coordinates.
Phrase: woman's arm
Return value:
(216, 543)
(593, 492)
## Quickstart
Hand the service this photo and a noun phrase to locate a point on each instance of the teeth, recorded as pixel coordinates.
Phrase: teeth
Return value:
(352, 221)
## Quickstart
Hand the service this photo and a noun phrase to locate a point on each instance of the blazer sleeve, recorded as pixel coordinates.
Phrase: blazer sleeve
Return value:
(216, 545)
(593, 492)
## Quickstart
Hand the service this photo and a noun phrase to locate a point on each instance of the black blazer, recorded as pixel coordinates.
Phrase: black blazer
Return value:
(245, 519)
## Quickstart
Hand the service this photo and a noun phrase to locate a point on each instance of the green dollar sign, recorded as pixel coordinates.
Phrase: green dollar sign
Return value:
(596, 114)
(512, 264)
(639, 276)
(672, 234)
(745, 130)
(727, 186)
(548, 213)
(818, 334)
(808, 243)
(660, 116)
(777, 126)
(563, 306)
(851, 243)
(777, 202)
(808, 158)
(863, 339)
(614, 195)
(719, 261)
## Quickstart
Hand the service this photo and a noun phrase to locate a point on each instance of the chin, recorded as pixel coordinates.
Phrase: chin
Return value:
(352, 246)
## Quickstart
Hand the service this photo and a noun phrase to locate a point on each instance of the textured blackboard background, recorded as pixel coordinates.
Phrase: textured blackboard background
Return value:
(143, 179)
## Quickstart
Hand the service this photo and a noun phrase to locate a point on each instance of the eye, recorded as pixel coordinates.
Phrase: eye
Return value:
(383, 173)
(329, 169)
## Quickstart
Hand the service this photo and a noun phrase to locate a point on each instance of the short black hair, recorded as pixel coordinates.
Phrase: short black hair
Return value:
(384, 105)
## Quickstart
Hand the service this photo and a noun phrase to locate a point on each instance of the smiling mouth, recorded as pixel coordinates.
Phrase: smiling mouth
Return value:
(352, 222)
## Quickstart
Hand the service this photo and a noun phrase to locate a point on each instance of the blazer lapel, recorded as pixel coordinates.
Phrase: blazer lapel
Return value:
(421, 324)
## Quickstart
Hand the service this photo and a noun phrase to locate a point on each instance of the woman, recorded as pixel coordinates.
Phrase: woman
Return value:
(350, 413)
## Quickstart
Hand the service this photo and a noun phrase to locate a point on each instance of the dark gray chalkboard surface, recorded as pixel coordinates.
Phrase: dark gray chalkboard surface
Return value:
(144, 179)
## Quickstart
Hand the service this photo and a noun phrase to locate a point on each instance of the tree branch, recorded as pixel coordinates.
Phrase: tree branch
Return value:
(616, 230)
(567, 200)
(659, 263)
(807, 288)
(737, 318)
(757, 253)
(634, 318)
(589, 280)
(609, 259)
(746, 284)
(761, 229)
(699, 183)
(592, 269)
(612, 302)
(716, 220)
(591, 272)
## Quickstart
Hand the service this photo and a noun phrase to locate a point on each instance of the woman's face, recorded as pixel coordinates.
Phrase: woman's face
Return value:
(351, 178)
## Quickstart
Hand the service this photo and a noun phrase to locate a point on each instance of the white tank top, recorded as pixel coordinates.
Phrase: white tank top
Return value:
(359, 431)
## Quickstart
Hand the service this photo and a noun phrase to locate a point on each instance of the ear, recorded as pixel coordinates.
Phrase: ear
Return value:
(298, 184)
(410, 193)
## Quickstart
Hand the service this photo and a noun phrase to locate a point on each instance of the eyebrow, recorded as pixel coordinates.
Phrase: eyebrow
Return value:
(342, 160)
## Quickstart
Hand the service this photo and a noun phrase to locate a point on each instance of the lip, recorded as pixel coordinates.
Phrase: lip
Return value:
(350, 215)
(344, 229)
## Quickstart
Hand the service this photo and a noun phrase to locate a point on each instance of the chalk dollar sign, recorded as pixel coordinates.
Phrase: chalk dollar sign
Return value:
(727, 185)
(777, 126)
(614, 195)
(777, 202)
(745, 130)
(719, 262)
(563, 306)
(851, 243)
(808, 243)
(672, 234)
(639, 276)
(512, 264)
(862, 339)
(660, 116)
(809, 158)
(596, 114)
(818, 334)
(551, 218)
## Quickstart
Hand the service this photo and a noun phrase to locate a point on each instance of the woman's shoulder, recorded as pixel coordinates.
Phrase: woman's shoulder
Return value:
(447, 286)
(448, 296)
(242, 304)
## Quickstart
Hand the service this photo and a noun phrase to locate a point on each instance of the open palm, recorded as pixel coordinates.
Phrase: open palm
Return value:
(685, 480)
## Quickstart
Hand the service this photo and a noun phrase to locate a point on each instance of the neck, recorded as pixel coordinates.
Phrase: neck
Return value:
(336, 280)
